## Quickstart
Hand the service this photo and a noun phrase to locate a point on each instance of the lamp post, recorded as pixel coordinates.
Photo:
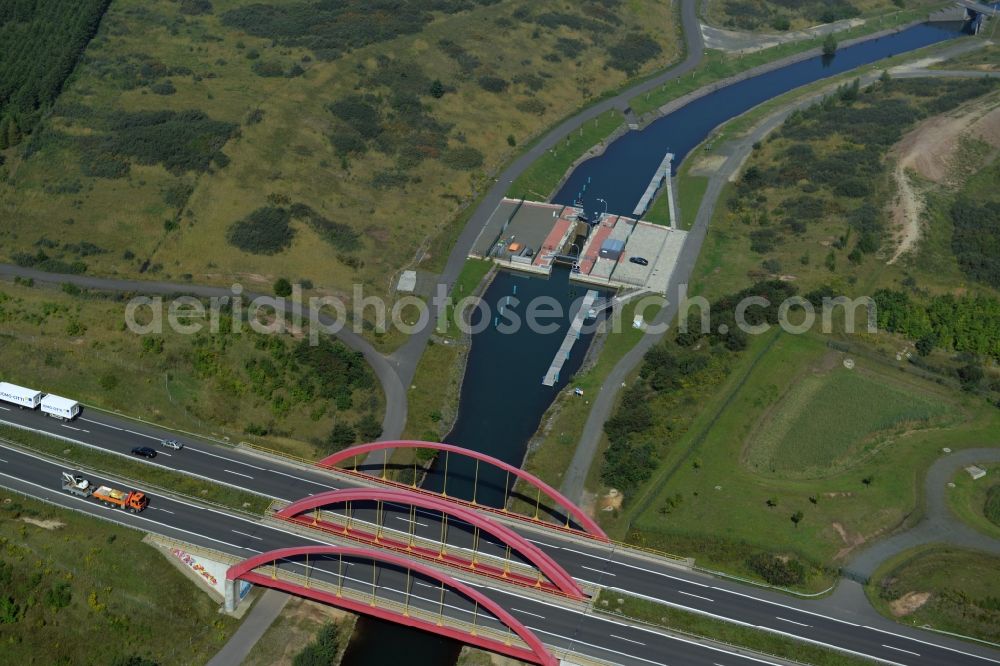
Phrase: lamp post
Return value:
(605, 213)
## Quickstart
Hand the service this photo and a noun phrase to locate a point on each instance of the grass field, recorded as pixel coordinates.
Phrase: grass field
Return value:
(662, 615)
(832, 419)
(174, 224)
(706, 502)
(74, 578)
(943, 588)
(237, 386)
(968, 498)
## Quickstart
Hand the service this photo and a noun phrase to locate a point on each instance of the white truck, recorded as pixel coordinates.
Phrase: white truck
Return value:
(20, 396)
(60, 408)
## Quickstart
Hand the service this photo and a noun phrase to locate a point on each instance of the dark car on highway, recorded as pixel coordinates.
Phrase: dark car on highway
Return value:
(144, 451)
(639, 260)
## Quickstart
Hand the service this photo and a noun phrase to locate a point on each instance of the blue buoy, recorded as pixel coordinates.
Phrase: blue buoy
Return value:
(515, 289)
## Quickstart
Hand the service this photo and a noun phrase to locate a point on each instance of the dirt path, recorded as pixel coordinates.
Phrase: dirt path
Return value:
(930, 151)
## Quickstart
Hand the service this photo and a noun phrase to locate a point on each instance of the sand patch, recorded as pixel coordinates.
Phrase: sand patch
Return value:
(707, 165)
(611, 502)
(44, 524)
(909, 603)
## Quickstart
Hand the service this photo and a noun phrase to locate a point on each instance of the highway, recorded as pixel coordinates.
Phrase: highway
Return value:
(574, 630)
(610, 566)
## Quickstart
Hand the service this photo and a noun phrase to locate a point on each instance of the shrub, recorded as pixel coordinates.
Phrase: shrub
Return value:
(59, 595)
(282, 287)
(992, 507)
(196, 7)
(264, 231)
(368, 428)
(268, 68)
(339, 235)
(632, 52)
(780, 571)
(465, 158)
(531, 105)
(322, 651)
(163, 88)
(180, 141)
(494, 84)
(342, 436)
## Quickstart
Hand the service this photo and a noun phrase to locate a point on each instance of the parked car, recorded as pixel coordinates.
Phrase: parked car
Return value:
(172, 444)
(639, 260)
(144, 452)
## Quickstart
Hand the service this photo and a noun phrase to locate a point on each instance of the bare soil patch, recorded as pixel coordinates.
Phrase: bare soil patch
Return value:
(909, 603)
(44, 524)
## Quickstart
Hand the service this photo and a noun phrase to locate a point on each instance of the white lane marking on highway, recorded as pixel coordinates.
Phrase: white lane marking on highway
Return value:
(159, 509)
(422, 584)
(622, 638)
(2, 460)
(215, 455)
(915, 654)
(696, 596)
(6, 409)
(785, 619)
(299, 478)
(519, 610)
(600, 571)
(542, 543)
(602, 558)
(943, 647)
(237, 473)
(407, 520)
(791, 608)
(142, 434)
(101, 424)
(72, 428)
(247, 535)
(607, 649)
(252, 550)
(164, 453)
(652, 571)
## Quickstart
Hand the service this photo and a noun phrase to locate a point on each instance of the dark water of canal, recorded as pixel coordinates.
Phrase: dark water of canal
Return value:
(620, 175)
(502, 402)
(502, 397)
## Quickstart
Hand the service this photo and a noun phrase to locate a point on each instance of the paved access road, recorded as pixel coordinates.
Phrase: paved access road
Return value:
(613, 567)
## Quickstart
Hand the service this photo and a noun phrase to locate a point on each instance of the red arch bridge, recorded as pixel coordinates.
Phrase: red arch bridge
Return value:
(567, 516)
(393, 588)
(397, 573)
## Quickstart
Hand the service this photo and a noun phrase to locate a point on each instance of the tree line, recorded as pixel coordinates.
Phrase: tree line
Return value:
(42, 42)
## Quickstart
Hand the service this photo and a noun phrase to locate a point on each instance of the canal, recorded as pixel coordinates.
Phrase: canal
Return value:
(502, 398)
(620, 174)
